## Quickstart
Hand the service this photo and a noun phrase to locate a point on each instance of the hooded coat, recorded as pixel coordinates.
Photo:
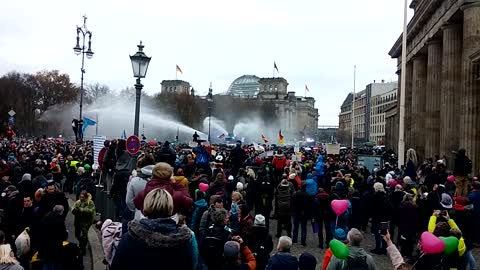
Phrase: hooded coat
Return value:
(151, 242)
(311, 185)
(135, 186)
(182, 202)
(355, 253)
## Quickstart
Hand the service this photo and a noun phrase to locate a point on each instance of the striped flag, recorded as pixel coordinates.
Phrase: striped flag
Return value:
(280, 137)
(179, 69)
(265, 140)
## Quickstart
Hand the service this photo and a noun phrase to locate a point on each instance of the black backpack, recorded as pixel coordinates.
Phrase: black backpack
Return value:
(358, 263)
(212, 250)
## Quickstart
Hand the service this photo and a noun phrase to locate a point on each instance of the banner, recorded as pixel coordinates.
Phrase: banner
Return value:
(97, 146)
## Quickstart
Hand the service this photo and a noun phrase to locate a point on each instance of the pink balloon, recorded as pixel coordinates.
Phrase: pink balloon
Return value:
(203, 187)
(339, 206)
(431, 244)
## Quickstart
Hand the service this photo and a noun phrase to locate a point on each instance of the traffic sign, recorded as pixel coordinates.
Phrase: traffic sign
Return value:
(133, 144)
(11, 120)
(12, 113)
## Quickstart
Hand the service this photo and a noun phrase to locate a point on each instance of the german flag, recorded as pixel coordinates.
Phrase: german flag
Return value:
(281, 140)
(178, 69)
(265, 140)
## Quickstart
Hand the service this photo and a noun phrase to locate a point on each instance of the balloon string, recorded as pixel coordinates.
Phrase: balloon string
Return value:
(336, 222)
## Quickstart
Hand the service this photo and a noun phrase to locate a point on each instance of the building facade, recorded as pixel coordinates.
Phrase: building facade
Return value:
(175, 86)
(298, 115)
(369, 115)
(378, 107)
(442, 109)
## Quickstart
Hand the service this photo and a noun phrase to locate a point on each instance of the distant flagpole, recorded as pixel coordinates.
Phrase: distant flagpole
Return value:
(273, 69)
(176, 73)
(96, 126)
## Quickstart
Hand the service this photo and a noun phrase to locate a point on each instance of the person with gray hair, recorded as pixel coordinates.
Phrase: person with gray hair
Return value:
(358, 258)
(283, 259)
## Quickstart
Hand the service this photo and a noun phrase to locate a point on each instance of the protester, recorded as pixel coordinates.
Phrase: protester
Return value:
(357, 258)
(157, 238)
(283, 259)
(7, 259)
(84, 212)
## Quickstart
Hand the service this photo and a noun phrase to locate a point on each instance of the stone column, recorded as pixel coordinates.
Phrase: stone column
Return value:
(451, 84)
(419, 83)
(408, 106)
(469, 99)
(434, 84)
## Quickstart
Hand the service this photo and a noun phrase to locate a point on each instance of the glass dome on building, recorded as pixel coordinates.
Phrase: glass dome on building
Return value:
(246, 85)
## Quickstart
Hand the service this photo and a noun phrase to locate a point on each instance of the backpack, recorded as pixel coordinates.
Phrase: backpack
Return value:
(212, 250)
(202, 159)
(357, 263)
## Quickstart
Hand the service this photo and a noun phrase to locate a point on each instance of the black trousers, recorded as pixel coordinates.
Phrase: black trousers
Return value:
(284, 222)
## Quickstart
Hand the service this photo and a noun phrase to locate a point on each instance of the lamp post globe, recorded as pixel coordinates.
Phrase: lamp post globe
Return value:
(140, 62)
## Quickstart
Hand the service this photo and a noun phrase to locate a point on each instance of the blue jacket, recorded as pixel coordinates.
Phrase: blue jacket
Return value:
(319, 166)
(199, 207)
(311, 185)
(283, 261)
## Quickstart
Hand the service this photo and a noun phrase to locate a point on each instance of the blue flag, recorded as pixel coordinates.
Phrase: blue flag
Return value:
(124, 135)
(87, 122)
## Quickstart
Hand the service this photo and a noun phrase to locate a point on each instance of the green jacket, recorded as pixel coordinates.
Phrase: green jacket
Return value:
(84, 212)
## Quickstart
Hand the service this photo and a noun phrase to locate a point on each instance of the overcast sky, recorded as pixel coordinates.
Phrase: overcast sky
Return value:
(314, 42)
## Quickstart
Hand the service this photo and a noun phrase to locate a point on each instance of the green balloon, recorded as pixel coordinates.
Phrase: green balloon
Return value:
(339, 249)
(451, 244)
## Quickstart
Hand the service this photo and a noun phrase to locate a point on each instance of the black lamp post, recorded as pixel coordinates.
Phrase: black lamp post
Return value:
(210, 106)
(83, 32)
(140, 63)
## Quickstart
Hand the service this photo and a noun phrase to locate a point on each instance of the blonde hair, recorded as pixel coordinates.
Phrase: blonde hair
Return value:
(378, 187)
(238, 195)
(6, 255)
(162, 170)
(251, 173)
(158, 203)
(412, 155)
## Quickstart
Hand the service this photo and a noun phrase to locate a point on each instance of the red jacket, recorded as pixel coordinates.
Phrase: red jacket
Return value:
(101, 155)
(279, 162)
(327, 258)
(182, 203)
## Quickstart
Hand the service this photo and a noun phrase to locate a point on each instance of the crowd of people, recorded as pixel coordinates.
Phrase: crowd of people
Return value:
(217, 207)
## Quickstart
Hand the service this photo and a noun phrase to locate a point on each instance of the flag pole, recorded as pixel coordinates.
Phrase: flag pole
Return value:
(96, 126)
(176, 73)
(274, 70)
(403, 71)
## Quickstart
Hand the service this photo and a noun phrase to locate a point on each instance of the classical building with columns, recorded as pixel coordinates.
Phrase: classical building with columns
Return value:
(442, 91)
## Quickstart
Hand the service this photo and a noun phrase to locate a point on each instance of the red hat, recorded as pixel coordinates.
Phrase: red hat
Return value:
(451, 178)
(461, 200)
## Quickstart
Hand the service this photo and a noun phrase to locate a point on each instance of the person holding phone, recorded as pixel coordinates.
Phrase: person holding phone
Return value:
(381, 214)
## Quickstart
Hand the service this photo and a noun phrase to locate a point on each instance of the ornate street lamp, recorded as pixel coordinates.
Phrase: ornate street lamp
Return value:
(83, 32)
(140, 63)
(210, 106)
